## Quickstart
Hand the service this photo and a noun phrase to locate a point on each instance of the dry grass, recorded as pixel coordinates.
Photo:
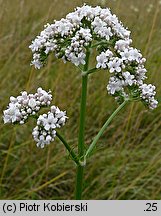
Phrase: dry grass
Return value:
(127, 163)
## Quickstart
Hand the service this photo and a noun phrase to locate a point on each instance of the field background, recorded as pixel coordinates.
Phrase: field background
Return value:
(127, 163)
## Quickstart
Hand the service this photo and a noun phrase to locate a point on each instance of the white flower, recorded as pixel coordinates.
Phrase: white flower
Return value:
(140, 74)
(37, 44)
(153, 103)
(100, 27)
(85, 33)
(108, 53)
(77, 60)
(12, 114)
(147, 94)
(105, 33)
(104, 13)
(101, 61)
(131, 55)
(13, 99)
(135, 55)
(129, 79)
(114, 85)
(37, 64)
(121, 45)
(125, 54)
(32, 103)
(50, 122)
(36, 61)
(121, 31)
(48, 139)
(63, 26)
(112, 20)
(87, 11)
(147, 90)
(103, 58)
(115, 65)
(98, 24)
(50, 46)
(44, 133)
(74, 18)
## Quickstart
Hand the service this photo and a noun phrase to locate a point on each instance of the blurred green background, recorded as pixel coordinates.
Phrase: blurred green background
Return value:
(127, 163)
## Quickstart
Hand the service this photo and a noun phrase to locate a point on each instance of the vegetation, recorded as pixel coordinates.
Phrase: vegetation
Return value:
(127, 164)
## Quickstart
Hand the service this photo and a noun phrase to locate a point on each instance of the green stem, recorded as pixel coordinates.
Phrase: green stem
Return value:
(89, 71)
(101, 43)
(67, 146)
(80, 169)
(82, 116)
(104, 127)
(79, 182)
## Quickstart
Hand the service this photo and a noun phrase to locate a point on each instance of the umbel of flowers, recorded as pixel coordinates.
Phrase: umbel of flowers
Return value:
(72, 39)
(44, 133)
(26, 105)
(94, 27)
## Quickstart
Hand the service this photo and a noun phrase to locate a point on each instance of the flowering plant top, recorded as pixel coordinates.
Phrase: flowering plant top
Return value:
(73, 39)
(93, 27)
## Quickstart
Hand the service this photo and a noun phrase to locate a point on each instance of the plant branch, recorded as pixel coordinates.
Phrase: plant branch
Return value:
(104, 127)
(67, 146)
(101, 43)
(89, 71)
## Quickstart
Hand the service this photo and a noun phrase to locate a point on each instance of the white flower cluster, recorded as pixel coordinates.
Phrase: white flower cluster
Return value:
(101, 28)
(147, 94)
(69, 37)
(25, 105)
(128, 73)
(75, 52)
(20, 108)
(88, 27)
(44, 133)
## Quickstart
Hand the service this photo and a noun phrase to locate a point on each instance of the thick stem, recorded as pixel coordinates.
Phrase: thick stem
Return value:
(82, 116)
(104, 127)
(79, 182)
(67, 146)
(80, 169)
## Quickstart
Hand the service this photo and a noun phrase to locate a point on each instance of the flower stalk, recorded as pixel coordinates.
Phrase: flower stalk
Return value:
(104, 127)
(80, 169)
(67, 146)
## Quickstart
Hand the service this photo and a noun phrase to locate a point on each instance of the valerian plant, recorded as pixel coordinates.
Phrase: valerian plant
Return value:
(73, 39)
